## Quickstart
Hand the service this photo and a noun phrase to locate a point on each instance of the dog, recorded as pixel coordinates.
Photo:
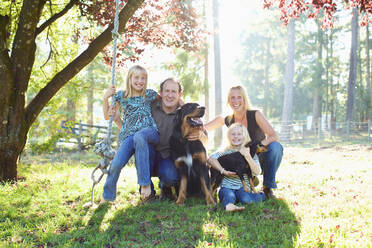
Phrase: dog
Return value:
(190, 156)
(236, 162)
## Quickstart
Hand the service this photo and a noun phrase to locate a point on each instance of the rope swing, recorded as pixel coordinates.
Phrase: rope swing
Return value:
(104, 148)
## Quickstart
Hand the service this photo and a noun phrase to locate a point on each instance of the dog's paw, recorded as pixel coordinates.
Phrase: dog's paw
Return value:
(180, 200)
(211, 202)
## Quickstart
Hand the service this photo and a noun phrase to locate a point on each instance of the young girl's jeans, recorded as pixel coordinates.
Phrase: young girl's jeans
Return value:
(137, 144)
(228, 196)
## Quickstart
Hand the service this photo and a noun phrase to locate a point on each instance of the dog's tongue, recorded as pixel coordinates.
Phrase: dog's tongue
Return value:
(197, 120)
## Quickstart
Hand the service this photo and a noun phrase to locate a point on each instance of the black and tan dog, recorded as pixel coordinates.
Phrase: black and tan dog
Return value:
(190, 156)
(236, 162)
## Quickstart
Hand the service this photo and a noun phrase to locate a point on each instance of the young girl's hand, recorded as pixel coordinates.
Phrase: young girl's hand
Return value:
(245, 151)
(229, 173)
(112, 110)
(110, 91)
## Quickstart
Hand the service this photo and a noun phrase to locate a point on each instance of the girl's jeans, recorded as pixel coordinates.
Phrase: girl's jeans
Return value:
(228, 196)
(137, 144)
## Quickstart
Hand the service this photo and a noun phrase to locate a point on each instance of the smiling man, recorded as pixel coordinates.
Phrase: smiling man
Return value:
(164, 113)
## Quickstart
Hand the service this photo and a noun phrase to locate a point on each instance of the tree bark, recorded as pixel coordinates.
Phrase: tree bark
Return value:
(352, 70)
(15, 71)
(217, 71)
(288, 88)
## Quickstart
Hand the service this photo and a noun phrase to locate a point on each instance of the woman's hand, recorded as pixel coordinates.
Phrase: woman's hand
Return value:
(110, 91)
(245, 151)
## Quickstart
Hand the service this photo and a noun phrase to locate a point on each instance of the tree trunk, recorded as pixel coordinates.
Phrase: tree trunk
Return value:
(206, 66)
(206, 86)
(217, 71)
(288, 88)
(333, 98)
(352, 70)
(317, 98)
(368, 69)
(70, 110)
(267, 70)
(15, 71)
(10, 151)
(327, 80)
(90, 97)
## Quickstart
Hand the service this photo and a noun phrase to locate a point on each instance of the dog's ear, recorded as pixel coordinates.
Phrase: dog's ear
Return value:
(178, 118)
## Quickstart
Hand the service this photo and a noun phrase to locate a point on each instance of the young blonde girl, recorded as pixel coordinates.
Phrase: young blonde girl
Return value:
(138, 129)
(231, 187)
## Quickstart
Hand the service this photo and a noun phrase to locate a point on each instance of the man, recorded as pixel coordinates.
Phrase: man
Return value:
(164, 112)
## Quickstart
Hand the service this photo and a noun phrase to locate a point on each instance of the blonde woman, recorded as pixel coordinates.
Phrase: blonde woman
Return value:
(232, 190)
(259, 129)
(138, 129)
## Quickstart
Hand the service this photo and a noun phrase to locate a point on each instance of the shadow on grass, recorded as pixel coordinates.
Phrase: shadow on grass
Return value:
(165, 224)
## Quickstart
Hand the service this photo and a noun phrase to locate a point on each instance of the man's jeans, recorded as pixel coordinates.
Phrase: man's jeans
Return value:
(163, 168)
(134, 144)
(228, 196)
(270, 162)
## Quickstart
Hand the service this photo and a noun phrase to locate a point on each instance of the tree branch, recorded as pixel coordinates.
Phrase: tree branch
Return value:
(56, 16)
(34, 108)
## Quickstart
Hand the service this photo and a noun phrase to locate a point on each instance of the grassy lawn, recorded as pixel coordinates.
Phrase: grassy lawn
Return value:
(325, 200)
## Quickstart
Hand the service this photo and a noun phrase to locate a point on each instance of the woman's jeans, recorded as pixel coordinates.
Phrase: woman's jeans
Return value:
(134, 144)
(270, 162)
(230, 196)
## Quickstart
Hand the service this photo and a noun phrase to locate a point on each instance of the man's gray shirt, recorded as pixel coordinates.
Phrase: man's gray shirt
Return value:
(165, 123)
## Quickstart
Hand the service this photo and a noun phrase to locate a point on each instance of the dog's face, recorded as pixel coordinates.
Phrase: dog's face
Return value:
(189, 117)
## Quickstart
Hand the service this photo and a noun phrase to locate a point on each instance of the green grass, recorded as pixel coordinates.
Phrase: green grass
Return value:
(324, 200)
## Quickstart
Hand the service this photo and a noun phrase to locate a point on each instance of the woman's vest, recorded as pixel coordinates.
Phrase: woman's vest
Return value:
(255, 132)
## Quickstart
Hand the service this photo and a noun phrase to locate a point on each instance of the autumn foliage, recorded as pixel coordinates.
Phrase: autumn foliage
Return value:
(327, 8)
(159, 23)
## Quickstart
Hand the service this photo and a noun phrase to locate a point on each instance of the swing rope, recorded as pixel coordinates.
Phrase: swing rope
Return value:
(104, 148)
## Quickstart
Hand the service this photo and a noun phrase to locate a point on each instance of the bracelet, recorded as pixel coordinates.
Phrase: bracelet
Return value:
(222, 171)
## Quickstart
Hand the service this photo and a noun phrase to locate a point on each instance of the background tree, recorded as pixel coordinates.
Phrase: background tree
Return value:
(288, 88)
(217, 71)
(353, 64)
(156, 22)
(188, 68)
(368, 78)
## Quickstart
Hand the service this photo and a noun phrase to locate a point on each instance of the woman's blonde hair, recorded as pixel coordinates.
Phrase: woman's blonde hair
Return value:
(128, 81)
(247, 103)
(245, 135)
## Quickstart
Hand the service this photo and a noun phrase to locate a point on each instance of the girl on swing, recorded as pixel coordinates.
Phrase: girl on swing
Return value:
(137, 129)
